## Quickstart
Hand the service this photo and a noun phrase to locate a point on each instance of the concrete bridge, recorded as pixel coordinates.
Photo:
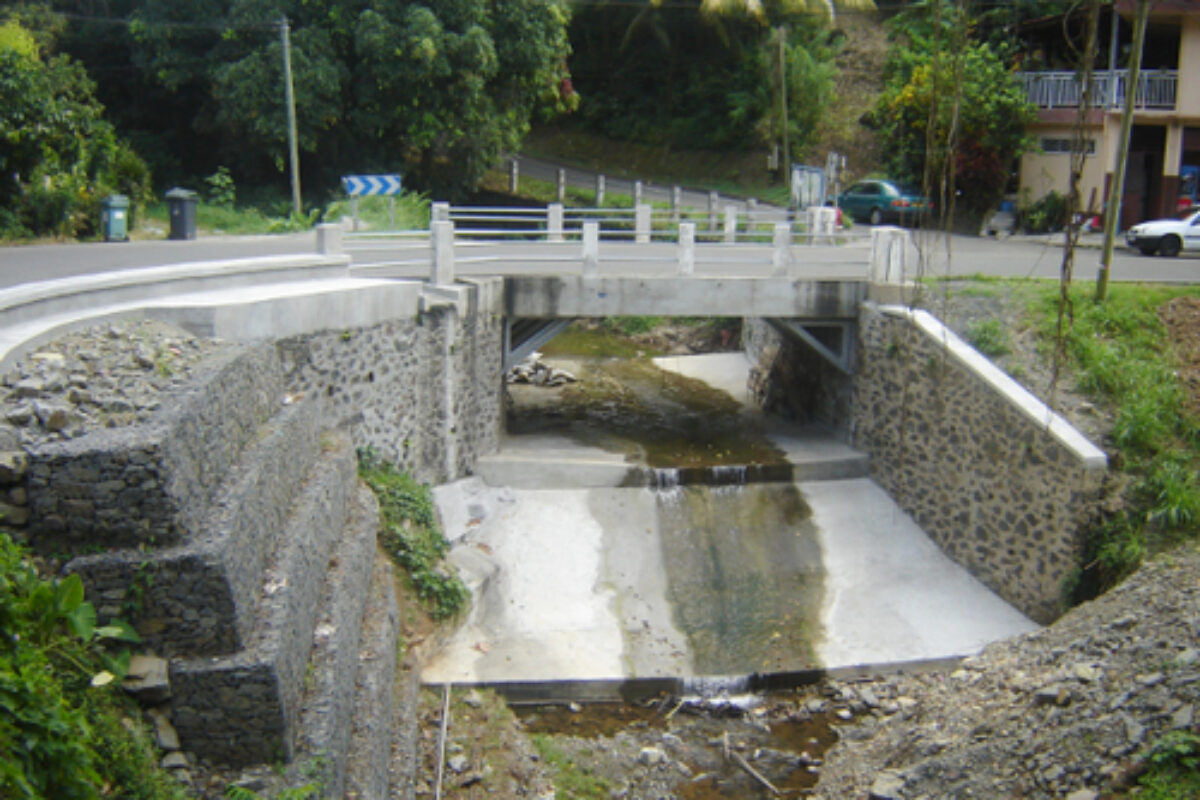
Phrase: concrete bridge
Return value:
(556, 266)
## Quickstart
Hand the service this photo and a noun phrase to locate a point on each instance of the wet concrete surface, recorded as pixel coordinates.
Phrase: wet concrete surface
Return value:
(602, 584)
(580, 575)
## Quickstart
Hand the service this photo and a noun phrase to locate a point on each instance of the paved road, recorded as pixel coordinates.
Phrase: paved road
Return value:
(26, 263)
(935, 255)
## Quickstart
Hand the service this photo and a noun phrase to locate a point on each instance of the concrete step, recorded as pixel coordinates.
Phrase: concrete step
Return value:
(151, 485)
(199, 598)
(375, 688)
(555, 461)
(244, 708)
(325, 714)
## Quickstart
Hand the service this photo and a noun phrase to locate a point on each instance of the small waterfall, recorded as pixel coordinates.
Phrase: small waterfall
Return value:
(729, 475)
(721, 693)
(664, 478)
(716, 685)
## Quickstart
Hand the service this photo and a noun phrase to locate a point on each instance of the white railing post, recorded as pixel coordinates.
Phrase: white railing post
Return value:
(751, 212)
(599, 191)
(514, 176)
(781, 253)
(591, 249)
(329, 239)
(819, 220)
(638, 191)
(554, 222)
(443, 253)
(889, 255)
(676, 203)
(731, 216)
(641, 223)
(439, 212)
(562, 184)
(687, 248)
(712, 211)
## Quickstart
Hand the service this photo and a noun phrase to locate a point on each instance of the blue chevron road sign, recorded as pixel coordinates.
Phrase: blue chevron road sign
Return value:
(361, 185)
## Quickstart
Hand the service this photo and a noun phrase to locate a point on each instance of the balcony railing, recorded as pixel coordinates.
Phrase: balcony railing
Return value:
(1155, 90)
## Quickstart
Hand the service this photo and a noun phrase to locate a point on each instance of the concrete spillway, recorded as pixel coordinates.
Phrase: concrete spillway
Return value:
(580, 578)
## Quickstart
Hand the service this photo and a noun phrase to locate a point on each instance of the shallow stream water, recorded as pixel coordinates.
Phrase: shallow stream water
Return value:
(742, 560)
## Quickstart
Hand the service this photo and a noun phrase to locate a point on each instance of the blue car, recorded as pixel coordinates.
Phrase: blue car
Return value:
(880, 201)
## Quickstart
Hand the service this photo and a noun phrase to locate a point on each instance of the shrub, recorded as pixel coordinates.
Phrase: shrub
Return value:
(221, 190)
(411, 536)
(65, 728)
(1046, 215)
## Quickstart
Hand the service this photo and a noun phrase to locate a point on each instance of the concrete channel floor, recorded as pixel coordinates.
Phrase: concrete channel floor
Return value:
(572, 573)
(568, 592)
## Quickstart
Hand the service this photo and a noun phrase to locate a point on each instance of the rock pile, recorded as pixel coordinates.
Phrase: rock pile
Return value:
(104, 377)
(533, 371)
(1068, 711)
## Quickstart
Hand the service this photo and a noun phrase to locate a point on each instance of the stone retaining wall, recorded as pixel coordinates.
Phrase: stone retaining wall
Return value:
(1002, 484)
(793, 381)
(424, 392)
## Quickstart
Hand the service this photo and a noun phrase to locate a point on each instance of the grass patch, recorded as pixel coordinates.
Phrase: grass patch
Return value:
(271, 215)
(410, 534)
(606, 343)
(374, 213)
(989, 337)
(734, 174)
(575, 781)
(1121, 356)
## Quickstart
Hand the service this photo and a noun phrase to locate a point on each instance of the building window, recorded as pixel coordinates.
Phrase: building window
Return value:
(1063, 145)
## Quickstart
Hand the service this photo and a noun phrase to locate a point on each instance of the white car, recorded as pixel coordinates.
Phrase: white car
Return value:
(1167, 236)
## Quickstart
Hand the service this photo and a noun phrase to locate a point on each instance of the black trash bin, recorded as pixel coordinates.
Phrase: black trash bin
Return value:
(182, 205)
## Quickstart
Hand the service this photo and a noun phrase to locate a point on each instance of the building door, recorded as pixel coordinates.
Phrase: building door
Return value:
(1143, 198)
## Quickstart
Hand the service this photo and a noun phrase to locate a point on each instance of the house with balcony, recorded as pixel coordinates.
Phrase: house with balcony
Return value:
(1165, 138)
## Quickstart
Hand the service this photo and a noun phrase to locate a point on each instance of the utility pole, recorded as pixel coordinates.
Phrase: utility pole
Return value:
(1117, 188)
(787, 157)
(290, 100)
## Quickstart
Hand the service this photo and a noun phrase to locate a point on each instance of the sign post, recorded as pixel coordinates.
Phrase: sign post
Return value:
(357, 186)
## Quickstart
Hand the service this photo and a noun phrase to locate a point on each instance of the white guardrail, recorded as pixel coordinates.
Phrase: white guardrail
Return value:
(522, 237)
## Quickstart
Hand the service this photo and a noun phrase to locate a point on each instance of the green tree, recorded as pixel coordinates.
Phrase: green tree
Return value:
(705, 73)
(438, 89)
(953, 112)
(59, 154)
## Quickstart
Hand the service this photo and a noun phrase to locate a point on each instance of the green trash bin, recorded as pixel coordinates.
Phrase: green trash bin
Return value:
(114, 218)
(182, 205)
